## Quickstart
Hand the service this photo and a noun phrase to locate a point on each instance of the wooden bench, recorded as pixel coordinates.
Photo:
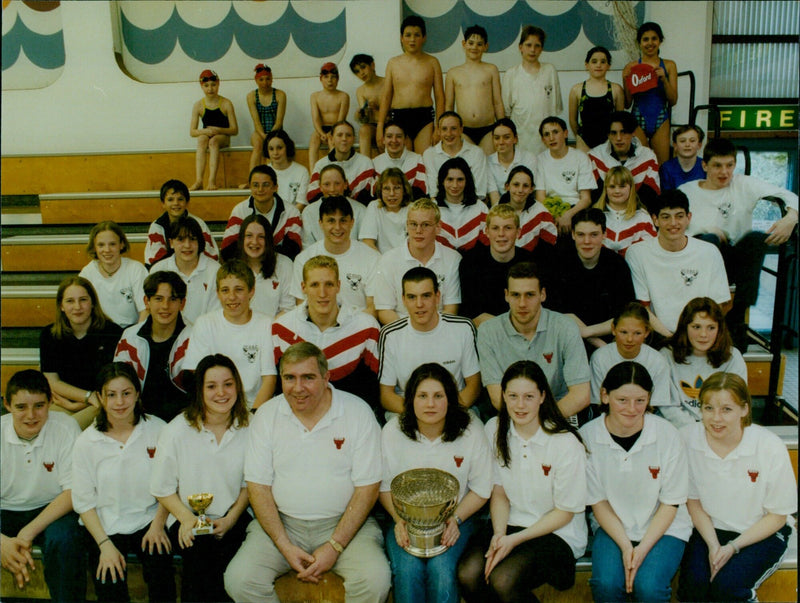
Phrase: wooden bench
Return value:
(56, 253)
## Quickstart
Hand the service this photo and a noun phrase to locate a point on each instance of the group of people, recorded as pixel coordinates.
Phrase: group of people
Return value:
(365, 319)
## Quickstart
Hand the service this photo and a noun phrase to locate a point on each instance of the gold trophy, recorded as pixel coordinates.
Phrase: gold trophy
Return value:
(199, 503)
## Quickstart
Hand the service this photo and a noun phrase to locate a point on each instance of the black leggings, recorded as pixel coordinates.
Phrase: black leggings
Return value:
(531, 564)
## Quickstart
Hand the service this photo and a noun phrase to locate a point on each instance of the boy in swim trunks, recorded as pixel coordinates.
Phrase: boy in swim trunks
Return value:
(368, 96)
(410, 78)
(328, 106)
(219, 124)
(475, 88)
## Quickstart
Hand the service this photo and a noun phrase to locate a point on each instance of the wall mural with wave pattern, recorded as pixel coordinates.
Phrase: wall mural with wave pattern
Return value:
(33, 44)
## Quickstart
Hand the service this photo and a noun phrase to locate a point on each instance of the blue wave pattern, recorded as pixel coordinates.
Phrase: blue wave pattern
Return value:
(562, 30)
(205, 45)
(45, 51)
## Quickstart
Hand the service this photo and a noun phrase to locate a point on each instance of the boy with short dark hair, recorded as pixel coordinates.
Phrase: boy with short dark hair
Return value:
(410, 79)
(174, 196)
(36, 500)
(157, 347)
(368, 96)
(328, 107)
(686, 165)
(473, 89)
(238, 332)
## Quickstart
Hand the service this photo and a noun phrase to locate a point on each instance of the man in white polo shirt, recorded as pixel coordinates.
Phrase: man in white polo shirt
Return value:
(313, 468)
(36, 500)
(421, 249)
(425, 335)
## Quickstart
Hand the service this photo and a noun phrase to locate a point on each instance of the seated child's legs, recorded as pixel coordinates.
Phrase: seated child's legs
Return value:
(216, 143)
(256, 157)
(200, 162)
(366, 136)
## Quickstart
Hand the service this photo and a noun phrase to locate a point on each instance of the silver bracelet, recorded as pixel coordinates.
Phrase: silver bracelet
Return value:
(735, 548)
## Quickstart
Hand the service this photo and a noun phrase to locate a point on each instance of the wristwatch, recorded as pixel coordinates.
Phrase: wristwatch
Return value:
(336, 546)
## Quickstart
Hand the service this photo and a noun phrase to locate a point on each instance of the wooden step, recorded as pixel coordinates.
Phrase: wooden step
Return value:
(56, 253)
(33, 306)
(14, 360)
(132, 207)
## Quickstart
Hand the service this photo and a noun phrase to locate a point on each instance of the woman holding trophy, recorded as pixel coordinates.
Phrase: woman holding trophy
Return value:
(537, 527)
(434, 431)
(111, 465)
(200, 463)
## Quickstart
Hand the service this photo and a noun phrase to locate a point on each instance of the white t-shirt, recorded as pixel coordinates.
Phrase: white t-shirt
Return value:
(564, 177)
(603, 359)
(754, 479)
(386, 227)
(341, 452)
(635, 483)
(671, 279)
(34, 473)
(357, 268)
(451, 343)
(546, 472)
(292, 183)
(686, 379)
(190, 461)
(201, 285)
(312, 231)
(274, 294)
(121, 295)
(114, 478)
(467, 458)
(528, 99)
(396, 262)
(498, 175)
(248, 345)
(731, 208)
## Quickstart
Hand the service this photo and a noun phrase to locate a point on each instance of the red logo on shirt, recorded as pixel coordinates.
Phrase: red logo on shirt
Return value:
(458, 460)
(275, 284)
(205, 286)
(548, 357)
(654, 471)
(338, 442)
(753, 475)
(49, 466)
(151, 451)
(546, 469)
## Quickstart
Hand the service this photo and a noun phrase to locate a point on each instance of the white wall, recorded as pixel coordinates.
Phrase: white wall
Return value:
(94, 107)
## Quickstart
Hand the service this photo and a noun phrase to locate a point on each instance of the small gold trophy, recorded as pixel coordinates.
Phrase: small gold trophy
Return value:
(199, 503)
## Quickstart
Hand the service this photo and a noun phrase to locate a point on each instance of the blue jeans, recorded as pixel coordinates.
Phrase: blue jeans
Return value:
(433, 580)
(739, 578)
(62, 549)
(652, 582)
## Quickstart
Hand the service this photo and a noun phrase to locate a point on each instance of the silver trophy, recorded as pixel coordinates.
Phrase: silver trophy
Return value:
(425, 499)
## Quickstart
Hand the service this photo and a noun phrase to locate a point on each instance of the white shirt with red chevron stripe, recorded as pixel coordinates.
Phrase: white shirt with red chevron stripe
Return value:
(353, 339)
(535, 224)
(622, 232)
(642, 163)
(287, 222)
(463, 225)
(409, 162)
(359, 171)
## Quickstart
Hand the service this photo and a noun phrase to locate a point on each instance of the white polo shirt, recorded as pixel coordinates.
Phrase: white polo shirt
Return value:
(357, 268)
(201, 285)
(603, 359)
(546, 472)
(190, 461)
(468, 458)
(755, 478)
(314, 473)
(636, 482)
(451, 343)
(274, 294)
(114, 478)
(121, 295)
(248, 345)
(34, 473)
(386, 227)
(396, 262)
(498, 175)
(434, 158)
(312, 231)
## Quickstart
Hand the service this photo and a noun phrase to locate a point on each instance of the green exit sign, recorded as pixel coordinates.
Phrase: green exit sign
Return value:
(758, 117)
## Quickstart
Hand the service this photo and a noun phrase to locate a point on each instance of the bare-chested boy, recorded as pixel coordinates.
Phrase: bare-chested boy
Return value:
(410, 78)
(219, 124)
(369, 100)
(328, 106)
(473, 89)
